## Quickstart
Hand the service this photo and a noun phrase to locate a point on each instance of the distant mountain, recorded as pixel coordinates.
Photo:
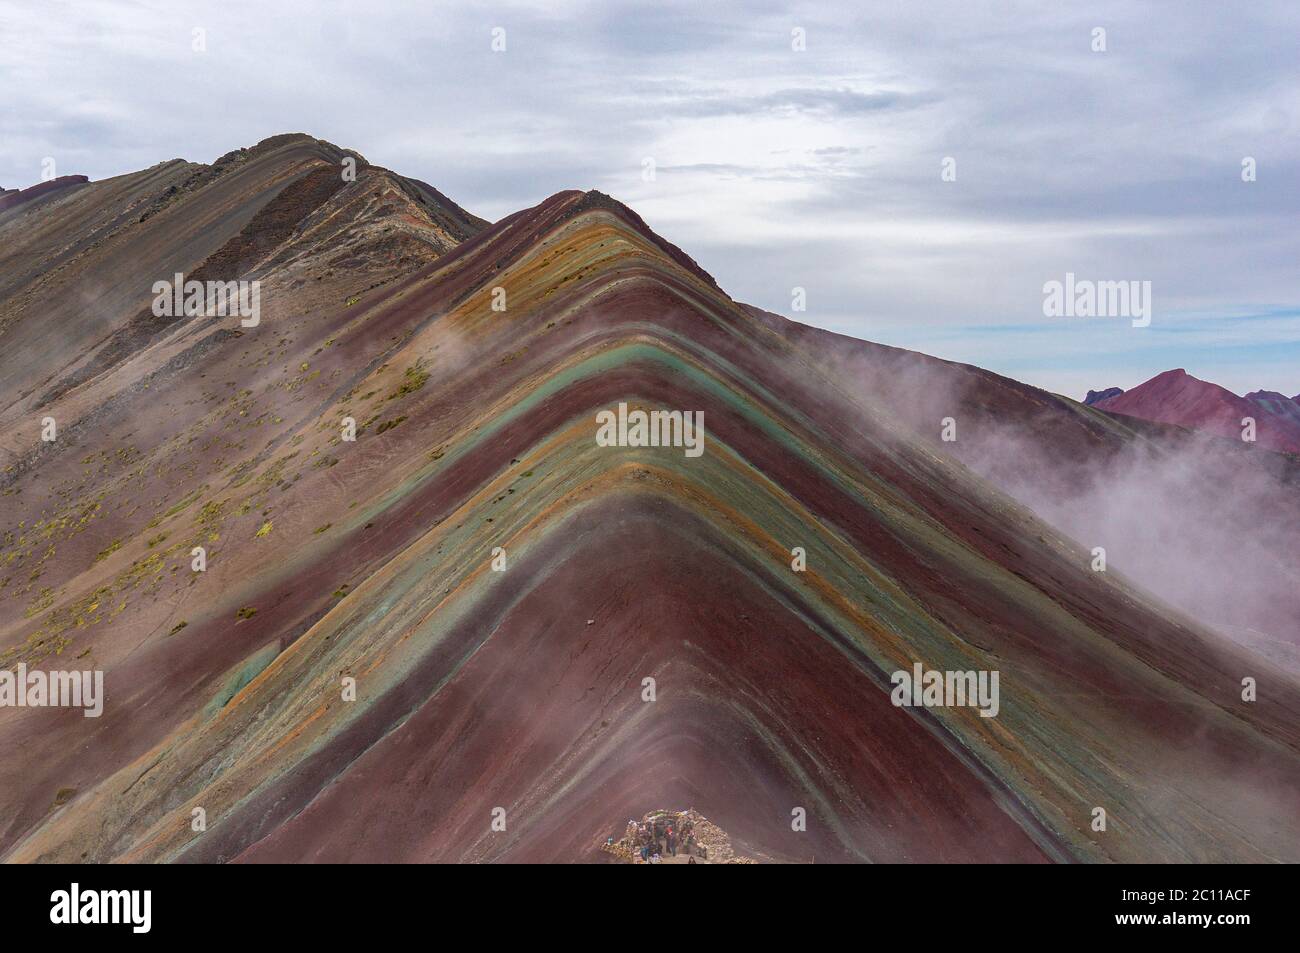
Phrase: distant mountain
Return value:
(1176, 397)
(1096, 396)
(1277, 404)
(12, 198)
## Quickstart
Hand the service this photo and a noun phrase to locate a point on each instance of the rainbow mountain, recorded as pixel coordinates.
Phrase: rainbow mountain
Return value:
(475, 633)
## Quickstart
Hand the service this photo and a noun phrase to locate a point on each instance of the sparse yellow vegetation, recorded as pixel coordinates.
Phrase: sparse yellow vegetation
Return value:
(109, 550)
(413, 379)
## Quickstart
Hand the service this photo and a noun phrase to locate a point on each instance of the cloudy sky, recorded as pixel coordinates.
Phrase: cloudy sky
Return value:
(775, 168)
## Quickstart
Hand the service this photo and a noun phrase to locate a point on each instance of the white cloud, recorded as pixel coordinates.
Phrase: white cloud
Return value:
(817, 168)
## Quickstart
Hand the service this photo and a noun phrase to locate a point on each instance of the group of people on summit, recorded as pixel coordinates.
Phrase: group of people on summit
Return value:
(661, 836)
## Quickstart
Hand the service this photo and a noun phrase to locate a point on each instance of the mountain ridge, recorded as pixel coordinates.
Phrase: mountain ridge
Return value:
(472, 368)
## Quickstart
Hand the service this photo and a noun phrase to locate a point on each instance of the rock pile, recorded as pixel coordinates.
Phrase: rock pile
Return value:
(696, 837)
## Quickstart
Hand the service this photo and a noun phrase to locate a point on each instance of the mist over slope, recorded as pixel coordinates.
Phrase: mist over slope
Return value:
(476, 606)
(1205, 523)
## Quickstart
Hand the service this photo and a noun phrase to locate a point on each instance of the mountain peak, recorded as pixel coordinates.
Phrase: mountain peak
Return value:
(1266, 395)
(1176, 397)
(1096, 396)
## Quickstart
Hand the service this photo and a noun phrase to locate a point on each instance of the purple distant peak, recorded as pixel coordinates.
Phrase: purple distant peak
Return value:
(1267, 395)
(1098, 395)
